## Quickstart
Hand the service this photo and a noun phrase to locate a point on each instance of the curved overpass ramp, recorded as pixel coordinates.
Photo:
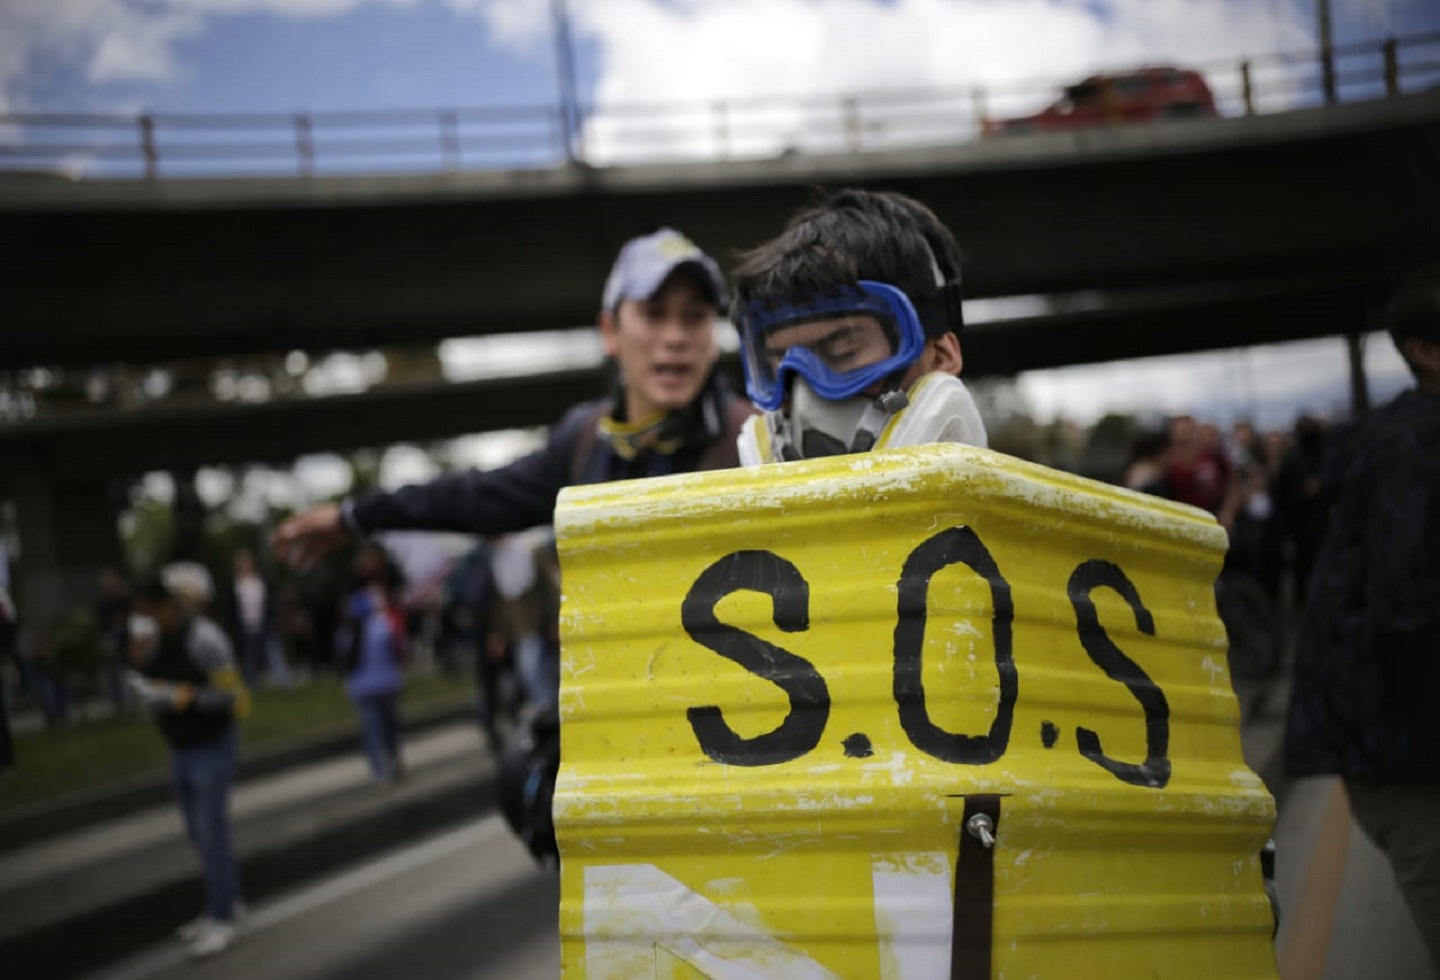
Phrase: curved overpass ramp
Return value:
(1176, 226)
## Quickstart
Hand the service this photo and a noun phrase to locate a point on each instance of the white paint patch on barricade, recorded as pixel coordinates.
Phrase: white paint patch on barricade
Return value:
(913, 915)
(626, 900)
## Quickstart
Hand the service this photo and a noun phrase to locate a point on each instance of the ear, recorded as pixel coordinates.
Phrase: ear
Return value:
(609, 325)
(946, 354)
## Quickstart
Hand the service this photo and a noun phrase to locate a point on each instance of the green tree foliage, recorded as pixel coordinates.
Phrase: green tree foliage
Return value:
(74, 647)
(364, 470)
(1107, 448)
(148, 532)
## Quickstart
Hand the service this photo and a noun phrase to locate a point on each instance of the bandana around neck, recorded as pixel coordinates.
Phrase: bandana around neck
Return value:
(665, 433)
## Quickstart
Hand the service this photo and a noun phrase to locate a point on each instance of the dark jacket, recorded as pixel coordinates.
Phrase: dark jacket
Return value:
(1368, 662)
(522, 494)
(227, 605)
(191, 655)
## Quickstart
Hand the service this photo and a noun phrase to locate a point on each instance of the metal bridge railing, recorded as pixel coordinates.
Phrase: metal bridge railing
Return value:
(535, 136)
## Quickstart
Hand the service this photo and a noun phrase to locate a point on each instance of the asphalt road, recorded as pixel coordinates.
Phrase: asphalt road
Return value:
(468, 904)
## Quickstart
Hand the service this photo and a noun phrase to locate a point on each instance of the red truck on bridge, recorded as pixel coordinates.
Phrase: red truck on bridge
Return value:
(1135, 96)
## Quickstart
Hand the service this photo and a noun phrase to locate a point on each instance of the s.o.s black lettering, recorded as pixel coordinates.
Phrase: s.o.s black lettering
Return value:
(1155, 770)
(955, 546)
(767, 573)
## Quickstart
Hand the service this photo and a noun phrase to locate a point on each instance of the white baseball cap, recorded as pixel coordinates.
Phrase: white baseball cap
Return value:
(646, 262)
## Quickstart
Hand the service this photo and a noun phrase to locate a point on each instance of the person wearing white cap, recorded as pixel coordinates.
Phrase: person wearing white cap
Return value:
(670, 412)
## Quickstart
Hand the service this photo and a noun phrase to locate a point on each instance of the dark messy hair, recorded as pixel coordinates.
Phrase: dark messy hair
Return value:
(846, 236)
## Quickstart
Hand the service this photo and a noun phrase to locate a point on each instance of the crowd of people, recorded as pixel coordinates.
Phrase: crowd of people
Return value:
(1264, 489)
(850, 323)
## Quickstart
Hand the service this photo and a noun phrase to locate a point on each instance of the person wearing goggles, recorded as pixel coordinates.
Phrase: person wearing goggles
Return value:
(849, 332)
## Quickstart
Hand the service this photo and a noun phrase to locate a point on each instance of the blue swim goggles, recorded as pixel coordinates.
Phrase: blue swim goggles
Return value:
(841, 342)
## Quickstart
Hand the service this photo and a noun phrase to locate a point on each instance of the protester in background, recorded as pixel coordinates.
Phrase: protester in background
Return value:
(1276, 443)
(249, 617)
(112, 610)
(518, 618)
(1256, 536)
(1149, 464)
(193, 587)
(323, 588)
(1298, 497)
(1244, 447)
(185, 675)
(375, 652)
(671, 412)
(1368, 660)
(469, 593)
(1199, 473)
(296, 630)
(52, 669)
(8, 654)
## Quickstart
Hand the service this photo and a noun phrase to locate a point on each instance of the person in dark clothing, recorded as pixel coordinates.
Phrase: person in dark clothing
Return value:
(375, 657)
(8, 652)
(671, 412)
(185, 675)
(1302, 513)
(1148, 465)
(1368, 660)
(112, 610)
(248, 614)
(1198, 472)
(466, 623)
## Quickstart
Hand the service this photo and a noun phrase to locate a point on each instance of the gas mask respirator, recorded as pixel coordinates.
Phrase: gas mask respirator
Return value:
(827, 372)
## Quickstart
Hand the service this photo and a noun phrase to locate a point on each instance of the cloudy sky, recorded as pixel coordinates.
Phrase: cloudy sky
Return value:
(284, 56)
(287, 55)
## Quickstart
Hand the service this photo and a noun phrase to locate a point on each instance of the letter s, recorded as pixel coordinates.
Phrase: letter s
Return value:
(765, 572)
(1155, 770)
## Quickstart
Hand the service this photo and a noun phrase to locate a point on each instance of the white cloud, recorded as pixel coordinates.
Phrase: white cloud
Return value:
(523, 24)
(124, 40)
(127, 46)
(699, 52)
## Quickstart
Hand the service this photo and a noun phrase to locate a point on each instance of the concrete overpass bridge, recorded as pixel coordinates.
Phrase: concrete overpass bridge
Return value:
(1183, 236)
(105, 271)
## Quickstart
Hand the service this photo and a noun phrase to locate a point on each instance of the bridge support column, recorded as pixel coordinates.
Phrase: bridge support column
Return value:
(68, 534)
(1359, 384)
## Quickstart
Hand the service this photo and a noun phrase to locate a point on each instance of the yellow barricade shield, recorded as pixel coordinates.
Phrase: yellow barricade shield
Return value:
(919, 713)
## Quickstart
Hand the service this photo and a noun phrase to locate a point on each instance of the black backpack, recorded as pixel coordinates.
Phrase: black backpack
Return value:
(529, 763)
(530, 760)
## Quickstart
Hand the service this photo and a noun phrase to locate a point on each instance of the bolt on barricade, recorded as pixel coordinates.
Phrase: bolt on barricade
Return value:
(925, 712)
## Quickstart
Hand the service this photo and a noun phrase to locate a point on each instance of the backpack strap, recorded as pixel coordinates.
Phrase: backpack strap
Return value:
(719, 454)
(582, 450)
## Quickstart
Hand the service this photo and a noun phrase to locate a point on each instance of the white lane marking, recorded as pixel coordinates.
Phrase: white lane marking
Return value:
(341, 886)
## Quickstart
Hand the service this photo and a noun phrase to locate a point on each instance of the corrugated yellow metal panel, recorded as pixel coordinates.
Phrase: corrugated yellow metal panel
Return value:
(781, 685)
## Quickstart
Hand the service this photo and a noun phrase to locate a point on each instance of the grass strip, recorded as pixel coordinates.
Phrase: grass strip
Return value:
(88, 755)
